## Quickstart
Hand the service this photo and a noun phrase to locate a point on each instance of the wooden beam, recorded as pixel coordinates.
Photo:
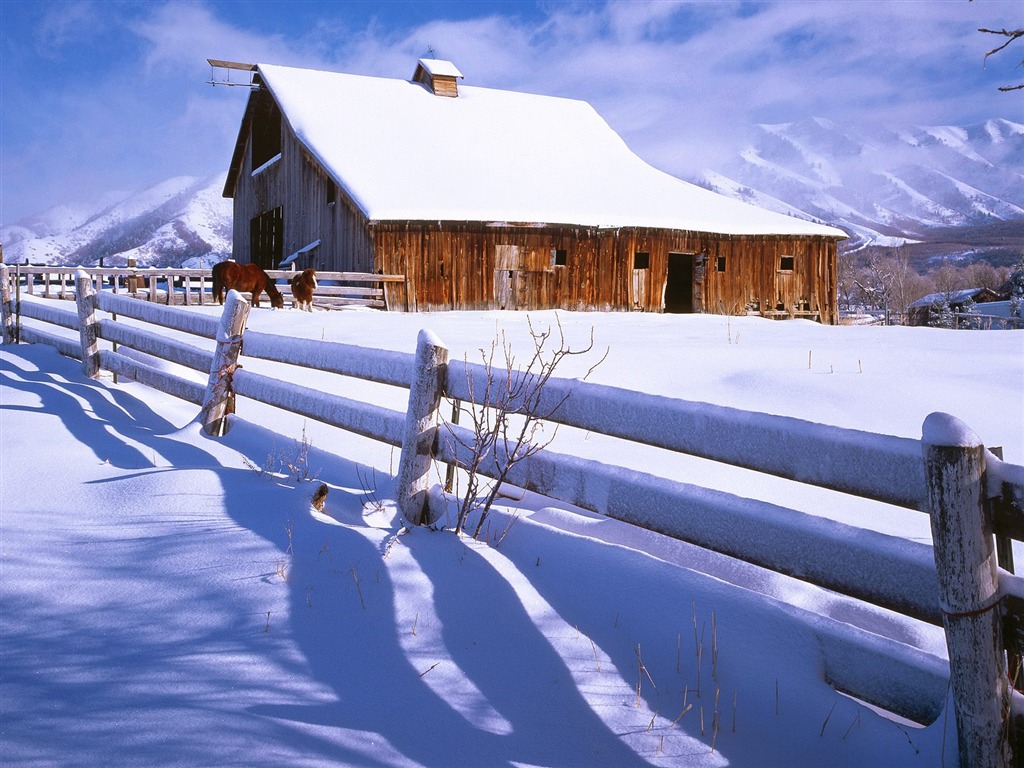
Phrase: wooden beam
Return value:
(232, 65)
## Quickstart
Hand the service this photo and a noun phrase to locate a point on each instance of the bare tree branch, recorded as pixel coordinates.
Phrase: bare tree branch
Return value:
(1012, 35)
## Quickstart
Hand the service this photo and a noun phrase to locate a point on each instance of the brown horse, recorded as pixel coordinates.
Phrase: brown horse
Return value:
(303, 285)
(228, 275)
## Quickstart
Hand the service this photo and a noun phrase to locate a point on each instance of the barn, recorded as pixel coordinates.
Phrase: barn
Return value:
(924, 310)
(493, 199)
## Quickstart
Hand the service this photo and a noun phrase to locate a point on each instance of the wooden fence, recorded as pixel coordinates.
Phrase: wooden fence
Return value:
(195, 286)
(974, 499)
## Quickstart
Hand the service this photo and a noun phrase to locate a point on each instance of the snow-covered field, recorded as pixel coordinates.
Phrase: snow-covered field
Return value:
(170, 599)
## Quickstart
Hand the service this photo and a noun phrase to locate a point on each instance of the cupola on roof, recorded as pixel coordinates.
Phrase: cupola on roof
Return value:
(440, 76)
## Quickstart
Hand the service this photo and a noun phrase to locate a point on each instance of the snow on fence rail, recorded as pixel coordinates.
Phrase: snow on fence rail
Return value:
(195, 286)
(967, 490)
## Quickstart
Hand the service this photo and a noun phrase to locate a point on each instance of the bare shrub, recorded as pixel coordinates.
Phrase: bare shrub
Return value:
(506, 421)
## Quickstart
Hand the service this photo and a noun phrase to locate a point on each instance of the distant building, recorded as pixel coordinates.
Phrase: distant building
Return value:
(919, 313)
(491, 199)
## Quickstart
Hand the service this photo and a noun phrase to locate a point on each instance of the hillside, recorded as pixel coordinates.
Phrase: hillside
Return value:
(182, 221)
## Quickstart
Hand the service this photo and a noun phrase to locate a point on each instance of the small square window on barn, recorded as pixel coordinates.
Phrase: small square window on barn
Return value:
(558, 257)
(786, 263)
(720, 264)
(641, 260)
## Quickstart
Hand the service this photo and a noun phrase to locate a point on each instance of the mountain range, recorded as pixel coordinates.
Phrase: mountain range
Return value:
(945, 190)
(180, 222)
(941, 191)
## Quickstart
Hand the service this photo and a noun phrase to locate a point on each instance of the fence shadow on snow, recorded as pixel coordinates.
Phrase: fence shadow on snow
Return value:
(975, 500)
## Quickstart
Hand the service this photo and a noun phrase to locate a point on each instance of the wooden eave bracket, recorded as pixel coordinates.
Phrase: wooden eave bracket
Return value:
(236, 65)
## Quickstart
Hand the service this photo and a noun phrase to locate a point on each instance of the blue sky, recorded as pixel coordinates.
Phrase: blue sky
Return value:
(105, 95)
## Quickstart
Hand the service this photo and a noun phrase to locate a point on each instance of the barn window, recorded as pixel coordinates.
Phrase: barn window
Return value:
(558, 257)
(786, 263)
(641, 260)
(720, 264)
(266, 238)
(332, 193)
(266, 132)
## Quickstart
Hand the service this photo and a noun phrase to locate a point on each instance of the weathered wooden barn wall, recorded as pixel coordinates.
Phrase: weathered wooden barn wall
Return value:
(313, 208)
(474, 266)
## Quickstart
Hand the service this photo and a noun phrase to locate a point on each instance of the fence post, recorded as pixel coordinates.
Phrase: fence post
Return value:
(6, 310)
(419, 439)
(133, 279)
(85, 298)
(225, 358)
(965, 560)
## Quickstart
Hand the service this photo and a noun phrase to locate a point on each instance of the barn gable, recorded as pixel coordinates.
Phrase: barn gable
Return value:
(384, 175)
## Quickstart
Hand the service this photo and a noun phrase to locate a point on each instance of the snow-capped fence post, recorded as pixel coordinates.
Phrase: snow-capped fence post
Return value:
(85, 298)
(965, 561)
(419, 439)
(216, 401)
(6, 308)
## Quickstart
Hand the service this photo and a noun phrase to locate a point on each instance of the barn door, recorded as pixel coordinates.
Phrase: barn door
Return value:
(679, 285)
(507, 265)
(266, 238)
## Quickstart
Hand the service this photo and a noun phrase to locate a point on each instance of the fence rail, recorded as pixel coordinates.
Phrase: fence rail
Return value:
(968, 491)
(188, 287)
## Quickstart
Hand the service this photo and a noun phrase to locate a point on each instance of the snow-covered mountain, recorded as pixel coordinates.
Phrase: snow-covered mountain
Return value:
(182, 221)
(882, 185)
(957, 190)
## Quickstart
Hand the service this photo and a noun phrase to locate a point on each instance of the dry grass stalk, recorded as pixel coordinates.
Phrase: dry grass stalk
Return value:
(827, 718)
(855, 721)
(686, 708)
(714, 647)
(359, 589)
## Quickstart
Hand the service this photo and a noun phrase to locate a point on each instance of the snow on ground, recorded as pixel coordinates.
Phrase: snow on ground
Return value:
(170, 599)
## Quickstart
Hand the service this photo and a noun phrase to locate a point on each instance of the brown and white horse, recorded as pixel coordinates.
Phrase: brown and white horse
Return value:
(228, 275)
(303, 285)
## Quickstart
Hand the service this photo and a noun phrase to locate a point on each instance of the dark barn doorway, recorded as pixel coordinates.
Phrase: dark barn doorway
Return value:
(679, 286)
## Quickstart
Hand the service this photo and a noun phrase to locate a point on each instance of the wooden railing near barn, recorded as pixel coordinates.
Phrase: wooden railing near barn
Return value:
(967, 490)
(195, 286)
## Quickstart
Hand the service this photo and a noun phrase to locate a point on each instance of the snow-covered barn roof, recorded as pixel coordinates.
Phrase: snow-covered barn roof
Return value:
(402, 153)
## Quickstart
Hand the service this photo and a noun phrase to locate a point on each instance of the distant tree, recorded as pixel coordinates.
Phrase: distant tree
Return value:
(940, 314)
(969, 317)
(1017, 289)
(947, 280)
(1012, 36)
(846, 276)
(906, 285)
(874, 285)
(981, 274)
